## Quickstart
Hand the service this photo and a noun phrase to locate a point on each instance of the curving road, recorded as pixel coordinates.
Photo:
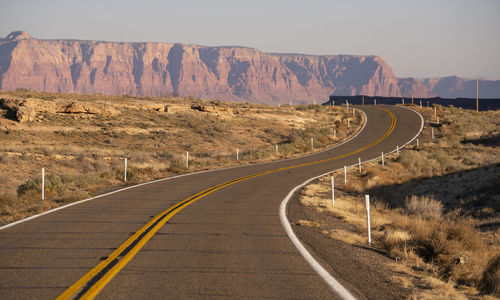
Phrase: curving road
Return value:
(162, 240)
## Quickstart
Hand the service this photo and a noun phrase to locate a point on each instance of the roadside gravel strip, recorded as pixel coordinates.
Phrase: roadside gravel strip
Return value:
(336, 287)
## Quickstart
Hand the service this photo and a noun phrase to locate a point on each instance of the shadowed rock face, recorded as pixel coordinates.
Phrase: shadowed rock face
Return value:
(227, 73)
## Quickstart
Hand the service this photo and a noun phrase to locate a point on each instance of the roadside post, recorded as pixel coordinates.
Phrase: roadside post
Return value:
(397, 150)
(332, 179)
(312, 143)
(187, 159)
(367, 200)
(432, 133)
(125, 171)
(382, 155)
(276, 146)
(237, 154)
(345, 176)
(359, 163)
(43, 183)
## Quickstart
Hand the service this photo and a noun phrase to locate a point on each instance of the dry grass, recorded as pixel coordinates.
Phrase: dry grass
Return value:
(308, 223)
(435, 209)
(490, 281)
(83, 153)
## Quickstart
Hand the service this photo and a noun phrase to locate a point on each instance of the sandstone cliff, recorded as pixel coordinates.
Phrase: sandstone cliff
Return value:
(227, 73)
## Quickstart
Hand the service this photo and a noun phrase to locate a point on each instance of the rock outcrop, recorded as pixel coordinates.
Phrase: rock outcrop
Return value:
(226, 73)
(26, 110)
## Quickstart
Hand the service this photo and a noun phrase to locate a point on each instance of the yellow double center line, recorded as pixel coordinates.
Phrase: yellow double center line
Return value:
(94, 281)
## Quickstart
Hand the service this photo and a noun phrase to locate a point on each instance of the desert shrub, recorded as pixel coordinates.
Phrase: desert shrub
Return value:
(32, 185)
(60, 186)
(322, 139)
(424, 207)
(443, 242)
(490, 280)
(446, 162)
(177, 166)
(395, 239)
(411, 159)
(164, 155)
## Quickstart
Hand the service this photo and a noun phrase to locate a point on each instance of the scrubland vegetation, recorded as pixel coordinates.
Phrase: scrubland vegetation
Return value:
(435, 208)
(82, 140)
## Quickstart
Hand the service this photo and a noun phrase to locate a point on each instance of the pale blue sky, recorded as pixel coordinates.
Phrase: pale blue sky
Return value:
(420, 38)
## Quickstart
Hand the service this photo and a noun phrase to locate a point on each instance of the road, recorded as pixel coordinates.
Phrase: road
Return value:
(226, 242)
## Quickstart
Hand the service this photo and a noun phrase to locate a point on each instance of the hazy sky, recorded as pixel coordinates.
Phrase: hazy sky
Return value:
(419, 38)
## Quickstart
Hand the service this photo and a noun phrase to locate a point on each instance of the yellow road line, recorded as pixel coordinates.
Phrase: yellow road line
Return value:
(94, 281)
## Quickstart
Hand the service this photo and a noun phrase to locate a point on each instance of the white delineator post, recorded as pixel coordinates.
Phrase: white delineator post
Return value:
(43, 183)
(125, 171)
(420, 103)
(347, 105)
(333, 189)
(397, 150)
(187, 159)
(435, 112)
(403, 101)
(367, 200)
(312, 143)
(432, 133)
(276, 146)
(335, 133)
(237, 154)
(374, 101)
(345, 176)
(417, 143)
(382, 155)
(353, 113)
(359, 163)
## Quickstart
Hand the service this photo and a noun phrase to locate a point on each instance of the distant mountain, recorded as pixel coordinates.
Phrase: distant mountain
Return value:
(226, 73)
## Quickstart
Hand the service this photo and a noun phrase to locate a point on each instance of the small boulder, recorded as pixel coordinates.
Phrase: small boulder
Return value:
(204, 107)
(75, 108)
(25, 114)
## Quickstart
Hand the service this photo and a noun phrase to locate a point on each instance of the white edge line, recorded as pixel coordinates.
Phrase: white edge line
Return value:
(335, 286)
(168, 178)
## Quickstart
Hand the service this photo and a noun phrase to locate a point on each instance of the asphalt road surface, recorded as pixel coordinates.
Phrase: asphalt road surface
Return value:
(168, 240)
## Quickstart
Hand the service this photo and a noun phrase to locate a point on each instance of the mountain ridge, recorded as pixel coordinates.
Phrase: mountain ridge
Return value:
(231, 73)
